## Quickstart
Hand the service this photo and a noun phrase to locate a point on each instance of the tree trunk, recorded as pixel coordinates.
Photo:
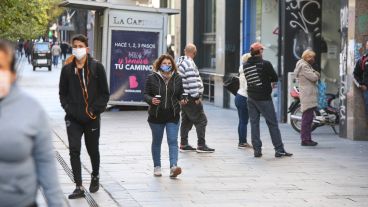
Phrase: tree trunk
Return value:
(80, 21)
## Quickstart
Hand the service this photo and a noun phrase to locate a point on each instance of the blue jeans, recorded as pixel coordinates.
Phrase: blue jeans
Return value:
(242, 106)
(172, 130)
(267, 109)
(365, 94)
(55, 60)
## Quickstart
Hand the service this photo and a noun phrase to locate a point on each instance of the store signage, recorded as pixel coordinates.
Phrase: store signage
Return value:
(132, 57)
(135, 20)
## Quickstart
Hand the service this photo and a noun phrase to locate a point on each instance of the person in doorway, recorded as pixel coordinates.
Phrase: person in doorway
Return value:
(242, 105)
(261, 78)
(27, 159)
(361, 76)
(307, 78)
(84, 94)
(163, 92)
(55, 52)
(192, 113)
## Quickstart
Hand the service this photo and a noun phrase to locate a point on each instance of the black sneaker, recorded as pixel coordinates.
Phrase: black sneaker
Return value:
(95, 184)
(205, 149)
(244, 145)
(283, 153)
(77, 193)
(257, 153)
(187, 148)
(309, 143)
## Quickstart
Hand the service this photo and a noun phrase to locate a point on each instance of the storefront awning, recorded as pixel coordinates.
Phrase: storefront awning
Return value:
(94, 5)
(83, 4)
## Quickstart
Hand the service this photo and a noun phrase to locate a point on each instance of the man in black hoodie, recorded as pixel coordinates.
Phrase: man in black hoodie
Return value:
(84, 94)
(361, 76)
(261, 77)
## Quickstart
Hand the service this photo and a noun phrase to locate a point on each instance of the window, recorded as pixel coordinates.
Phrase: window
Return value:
(209, 35)
(205, 33)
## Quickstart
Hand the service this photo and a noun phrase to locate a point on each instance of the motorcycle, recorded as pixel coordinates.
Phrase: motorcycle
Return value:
(327, 116)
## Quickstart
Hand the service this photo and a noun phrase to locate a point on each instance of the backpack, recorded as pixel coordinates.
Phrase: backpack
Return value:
(363, 61)
(232, 84)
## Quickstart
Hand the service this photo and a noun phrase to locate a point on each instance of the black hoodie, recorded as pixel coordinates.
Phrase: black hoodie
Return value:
(361, 70)
(71, 92)
(259, 74)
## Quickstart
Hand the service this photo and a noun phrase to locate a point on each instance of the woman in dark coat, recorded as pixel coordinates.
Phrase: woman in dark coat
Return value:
(163, 92)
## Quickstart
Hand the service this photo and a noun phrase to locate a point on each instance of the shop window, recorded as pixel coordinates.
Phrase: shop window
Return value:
(206, 36)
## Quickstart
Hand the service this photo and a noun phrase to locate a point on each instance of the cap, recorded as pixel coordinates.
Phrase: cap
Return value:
(256, 46)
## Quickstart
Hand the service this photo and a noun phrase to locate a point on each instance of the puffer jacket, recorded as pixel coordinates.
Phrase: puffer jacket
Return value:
(171, 93)
(308, 78)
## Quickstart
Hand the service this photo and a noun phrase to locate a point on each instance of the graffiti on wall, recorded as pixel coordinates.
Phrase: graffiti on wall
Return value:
(307, 24)
(343, 65)
(300, 29)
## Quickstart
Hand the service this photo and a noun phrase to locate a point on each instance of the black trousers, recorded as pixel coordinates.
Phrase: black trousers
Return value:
(193, 114)
(91, 131)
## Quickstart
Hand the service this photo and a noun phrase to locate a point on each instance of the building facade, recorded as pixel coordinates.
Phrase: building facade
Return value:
(223, 31)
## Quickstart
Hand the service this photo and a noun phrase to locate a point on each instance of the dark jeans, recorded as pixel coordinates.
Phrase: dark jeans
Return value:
(365, 94)
(172, 140)
(55, 60)
(307, 121)
(266, 108)
(193, 114)
(242, 106)
(91, 131)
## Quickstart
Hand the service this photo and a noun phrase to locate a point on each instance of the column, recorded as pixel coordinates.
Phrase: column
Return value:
(220, 51)
(353, 122)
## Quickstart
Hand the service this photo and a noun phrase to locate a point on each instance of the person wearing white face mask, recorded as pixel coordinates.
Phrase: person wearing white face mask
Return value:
(26, 153)
(163, 92)
(83, 93)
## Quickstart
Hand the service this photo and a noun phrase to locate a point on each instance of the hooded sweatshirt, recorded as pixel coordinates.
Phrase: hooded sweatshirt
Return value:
(27, 158)
(259, 74)
(83, 92)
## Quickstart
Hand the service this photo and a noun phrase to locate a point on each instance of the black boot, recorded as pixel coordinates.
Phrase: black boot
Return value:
(95, 184)
(77, 193)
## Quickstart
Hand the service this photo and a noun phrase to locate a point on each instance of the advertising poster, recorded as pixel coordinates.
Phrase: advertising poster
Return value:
(132, 56)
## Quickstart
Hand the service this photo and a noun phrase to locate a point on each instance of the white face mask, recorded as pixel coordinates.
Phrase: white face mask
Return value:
(5, 83)
(79, 53)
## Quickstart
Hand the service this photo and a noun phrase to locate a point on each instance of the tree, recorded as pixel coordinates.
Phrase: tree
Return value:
(29, 19)
(80, 21)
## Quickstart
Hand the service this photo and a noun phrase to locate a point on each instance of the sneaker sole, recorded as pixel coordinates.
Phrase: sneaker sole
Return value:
(157, 175)
(76, 197)
(176, 173)
(201, 151)
(279, 156)
(187, 150)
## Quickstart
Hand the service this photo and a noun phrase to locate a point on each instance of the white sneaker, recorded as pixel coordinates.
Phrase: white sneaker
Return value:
(157, 171)
(175, 171)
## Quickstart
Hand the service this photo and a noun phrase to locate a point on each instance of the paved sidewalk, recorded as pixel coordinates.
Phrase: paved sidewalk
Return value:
(332, 174)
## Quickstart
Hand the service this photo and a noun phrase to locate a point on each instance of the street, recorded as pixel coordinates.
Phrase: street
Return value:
(332, 174)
